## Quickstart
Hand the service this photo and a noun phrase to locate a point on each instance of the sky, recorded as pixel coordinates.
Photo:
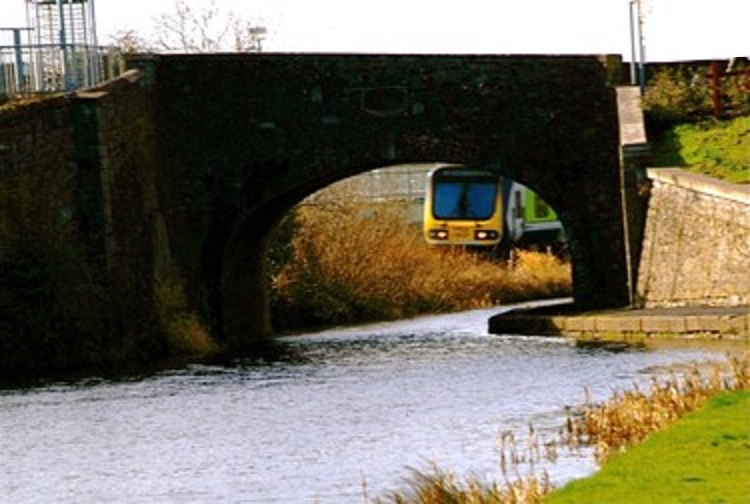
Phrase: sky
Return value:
(673, 29)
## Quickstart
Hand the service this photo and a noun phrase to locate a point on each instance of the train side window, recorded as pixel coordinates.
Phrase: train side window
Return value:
(518, 207)
(541, 209)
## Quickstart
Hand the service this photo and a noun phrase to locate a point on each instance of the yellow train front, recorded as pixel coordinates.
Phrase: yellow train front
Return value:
(463, 206)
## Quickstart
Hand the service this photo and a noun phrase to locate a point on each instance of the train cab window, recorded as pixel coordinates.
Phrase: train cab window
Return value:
(464, 199)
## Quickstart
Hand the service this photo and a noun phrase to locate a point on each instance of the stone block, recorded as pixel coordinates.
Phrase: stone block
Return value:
(677, 325)
(606, 324)
(736, 325)
(711, 324)
(656, 324)
(588, 324)
(693, 324)
(574, 324)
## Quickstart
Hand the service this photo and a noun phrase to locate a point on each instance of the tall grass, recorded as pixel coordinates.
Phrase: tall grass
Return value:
(353, 263)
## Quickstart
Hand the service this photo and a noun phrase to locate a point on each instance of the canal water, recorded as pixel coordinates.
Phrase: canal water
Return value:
(346, 415)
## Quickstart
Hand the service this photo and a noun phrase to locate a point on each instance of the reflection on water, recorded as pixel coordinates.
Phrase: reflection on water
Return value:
(348, 406)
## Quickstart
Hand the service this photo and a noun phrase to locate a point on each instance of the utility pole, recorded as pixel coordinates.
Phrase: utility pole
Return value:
(637, 39)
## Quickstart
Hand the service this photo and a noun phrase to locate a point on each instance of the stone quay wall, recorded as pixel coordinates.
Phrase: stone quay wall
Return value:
(696, 248)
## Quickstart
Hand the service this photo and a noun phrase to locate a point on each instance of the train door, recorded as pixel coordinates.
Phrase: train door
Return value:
(514, 212)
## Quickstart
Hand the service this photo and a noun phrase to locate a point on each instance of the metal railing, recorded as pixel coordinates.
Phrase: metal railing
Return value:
(29, 69)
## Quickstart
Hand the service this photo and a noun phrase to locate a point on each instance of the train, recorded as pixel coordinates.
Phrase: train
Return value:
(478, 208)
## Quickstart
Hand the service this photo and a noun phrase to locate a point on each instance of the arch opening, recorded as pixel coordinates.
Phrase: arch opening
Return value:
(370, 221)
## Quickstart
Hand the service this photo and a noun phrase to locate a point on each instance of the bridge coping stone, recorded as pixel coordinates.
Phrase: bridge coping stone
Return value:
(701, 183)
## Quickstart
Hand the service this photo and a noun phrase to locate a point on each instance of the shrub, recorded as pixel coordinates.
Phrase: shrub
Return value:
(183, 331)
(678, 95)
(685, 95)
(736, 92)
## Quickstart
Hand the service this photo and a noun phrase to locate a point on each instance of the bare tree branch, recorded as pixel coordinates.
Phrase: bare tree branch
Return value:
(128, 41)
(205, 29)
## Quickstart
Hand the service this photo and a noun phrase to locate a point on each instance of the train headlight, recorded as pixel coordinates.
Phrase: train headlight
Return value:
(438, 234)
(486, 234)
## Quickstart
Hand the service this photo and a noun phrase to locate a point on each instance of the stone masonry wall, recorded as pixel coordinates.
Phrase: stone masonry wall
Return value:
(116, 140)
(696, 249)
(81, 238)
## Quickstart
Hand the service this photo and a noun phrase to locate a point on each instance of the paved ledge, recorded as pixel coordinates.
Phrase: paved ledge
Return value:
(731, 323)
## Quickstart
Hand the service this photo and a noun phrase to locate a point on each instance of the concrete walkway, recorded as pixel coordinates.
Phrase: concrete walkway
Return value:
(681, 322)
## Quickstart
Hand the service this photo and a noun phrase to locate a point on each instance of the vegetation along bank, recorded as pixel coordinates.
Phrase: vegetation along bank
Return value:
(685, 439)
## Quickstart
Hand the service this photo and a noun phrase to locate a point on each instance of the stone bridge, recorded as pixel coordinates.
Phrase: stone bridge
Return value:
(242, 138)
(186, 164)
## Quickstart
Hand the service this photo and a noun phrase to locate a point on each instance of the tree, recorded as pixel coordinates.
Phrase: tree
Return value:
(193, 29)
(128, 41)
(205, 29)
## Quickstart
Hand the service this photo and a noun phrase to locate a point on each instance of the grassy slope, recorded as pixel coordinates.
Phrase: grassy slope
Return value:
(704, 457)
(719, 149)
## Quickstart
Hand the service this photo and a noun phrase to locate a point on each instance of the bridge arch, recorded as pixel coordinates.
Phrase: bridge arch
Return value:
(245, 137)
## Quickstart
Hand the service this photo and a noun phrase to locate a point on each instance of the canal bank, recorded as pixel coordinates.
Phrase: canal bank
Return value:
(563, 319)
(699, 458)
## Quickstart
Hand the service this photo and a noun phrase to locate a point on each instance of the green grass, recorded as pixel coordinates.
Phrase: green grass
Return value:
(719, 149)
(703, 458)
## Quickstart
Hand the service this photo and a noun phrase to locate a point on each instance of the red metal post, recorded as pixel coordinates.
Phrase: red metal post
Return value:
(716, 89)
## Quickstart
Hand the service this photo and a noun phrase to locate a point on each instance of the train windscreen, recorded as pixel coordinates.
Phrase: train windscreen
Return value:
(464, 199)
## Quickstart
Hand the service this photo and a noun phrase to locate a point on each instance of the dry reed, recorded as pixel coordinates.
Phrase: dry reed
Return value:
(442, 487)
(629, 417)
(521, 481)
(355, 263)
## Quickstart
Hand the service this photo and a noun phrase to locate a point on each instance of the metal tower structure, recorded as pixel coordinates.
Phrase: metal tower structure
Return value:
(64, 33)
